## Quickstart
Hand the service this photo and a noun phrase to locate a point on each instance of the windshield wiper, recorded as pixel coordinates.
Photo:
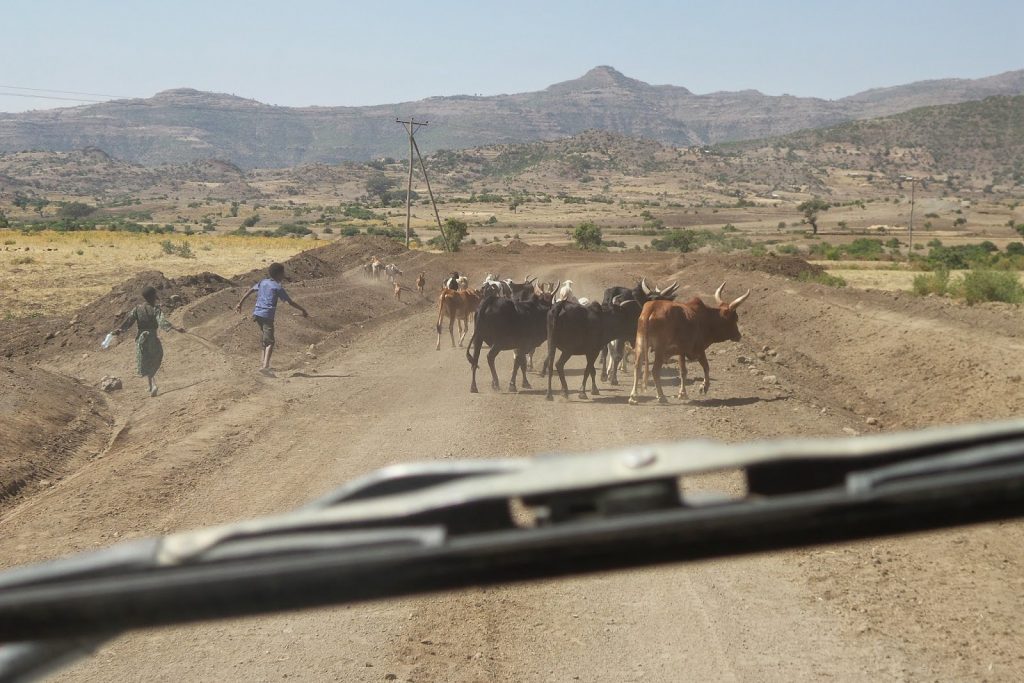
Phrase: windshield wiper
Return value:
(441, 525)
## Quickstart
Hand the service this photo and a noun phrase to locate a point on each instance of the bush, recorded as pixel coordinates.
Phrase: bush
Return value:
(991, 285)
(251, 221)
(292, 229)
(587, 236)
(790, 249)
(821, 278)
(349, 231)
(932, 283)
(181, 249)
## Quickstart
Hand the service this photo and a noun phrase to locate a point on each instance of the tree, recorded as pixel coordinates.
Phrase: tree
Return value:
(587, 236)
(377, 185)
(810, 209)
(233, 211)
(75, 210)
(3, 220)
(454, 231)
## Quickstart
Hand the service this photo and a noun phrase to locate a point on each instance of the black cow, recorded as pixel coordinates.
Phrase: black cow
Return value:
(575, 330)
(523, 290)
(508, 324)
(642, 293)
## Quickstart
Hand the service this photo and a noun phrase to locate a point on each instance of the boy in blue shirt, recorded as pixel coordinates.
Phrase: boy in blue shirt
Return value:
(268, 291)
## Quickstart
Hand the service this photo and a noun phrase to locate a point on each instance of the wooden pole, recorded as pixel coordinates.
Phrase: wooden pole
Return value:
(408, 191)
(444, 238)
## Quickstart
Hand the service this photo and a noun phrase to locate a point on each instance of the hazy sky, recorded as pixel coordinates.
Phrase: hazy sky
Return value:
(302, 52)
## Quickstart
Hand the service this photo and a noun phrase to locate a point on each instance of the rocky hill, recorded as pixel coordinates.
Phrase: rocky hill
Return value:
(182, 125)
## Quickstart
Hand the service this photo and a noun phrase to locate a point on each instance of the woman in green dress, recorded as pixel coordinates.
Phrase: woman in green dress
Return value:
(149, 352)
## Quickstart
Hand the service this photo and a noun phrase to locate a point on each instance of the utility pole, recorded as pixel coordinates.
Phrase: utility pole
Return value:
(411, 126)
(910, 229)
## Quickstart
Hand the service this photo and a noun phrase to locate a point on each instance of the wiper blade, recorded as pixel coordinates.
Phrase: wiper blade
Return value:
(441, 525)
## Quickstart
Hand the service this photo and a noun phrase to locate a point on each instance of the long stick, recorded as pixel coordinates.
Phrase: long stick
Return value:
(408, 190)
(444, 238)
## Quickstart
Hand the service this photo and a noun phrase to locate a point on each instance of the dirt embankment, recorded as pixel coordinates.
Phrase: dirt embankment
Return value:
(49, 424)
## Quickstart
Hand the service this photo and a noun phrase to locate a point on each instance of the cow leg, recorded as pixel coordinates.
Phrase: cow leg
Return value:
(522, 369)
(491, 355)
(473, 362)
(616, 358)
(682, 377)
(656, 375)
(549, 361)
(463, 329)
(592, 371)
(603, 359)
(559, 367)
(451, 329)
(636, 384)
(703, 360)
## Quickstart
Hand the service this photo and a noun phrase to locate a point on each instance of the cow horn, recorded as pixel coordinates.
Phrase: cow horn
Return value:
(643, 286)
(558, 286)
(529, 279)
(671, 289)
(718, 294)
(739, 300)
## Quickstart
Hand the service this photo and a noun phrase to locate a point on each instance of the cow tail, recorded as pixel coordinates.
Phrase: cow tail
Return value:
(472, 341)
(440, 311)
(640, 347)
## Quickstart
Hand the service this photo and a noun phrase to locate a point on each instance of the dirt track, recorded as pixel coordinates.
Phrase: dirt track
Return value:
(222, 443)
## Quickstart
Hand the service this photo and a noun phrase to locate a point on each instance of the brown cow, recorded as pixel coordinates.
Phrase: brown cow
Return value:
(421, 282)
(685, 330)
(457, 305)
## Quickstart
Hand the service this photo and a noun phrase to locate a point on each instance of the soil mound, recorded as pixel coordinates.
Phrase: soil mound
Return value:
(786, 266)
(85, 328)
(333, 259)
(44, 420)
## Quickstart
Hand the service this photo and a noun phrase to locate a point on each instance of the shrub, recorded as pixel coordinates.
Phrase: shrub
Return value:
(991, 285)
(821, 278)
(251, 221)
(787, 249)
(292, 229)
(932, 283)
(587, 236)
(349, 231)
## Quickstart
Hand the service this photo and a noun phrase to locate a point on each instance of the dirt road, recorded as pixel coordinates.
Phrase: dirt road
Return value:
(222, 443)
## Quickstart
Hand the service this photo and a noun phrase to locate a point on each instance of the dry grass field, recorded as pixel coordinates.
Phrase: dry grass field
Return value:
(50, 273)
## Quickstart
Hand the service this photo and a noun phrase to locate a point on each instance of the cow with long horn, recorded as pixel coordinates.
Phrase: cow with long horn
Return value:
(685, 330)
(614, 353)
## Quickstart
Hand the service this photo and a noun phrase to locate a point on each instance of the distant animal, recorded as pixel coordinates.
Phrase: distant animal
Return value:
(575, 329)
(563, 292)
(686, 330)
(421, 282)
(398, 289)
(458, 306)
(368, 270)
(508, 324)
(377, 267)
(615, 353)
(452, 281)
(392, 271)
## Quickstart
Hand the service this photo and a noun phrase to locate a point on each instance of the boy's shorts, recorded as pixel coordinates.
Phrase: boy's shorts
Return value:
(267, 328)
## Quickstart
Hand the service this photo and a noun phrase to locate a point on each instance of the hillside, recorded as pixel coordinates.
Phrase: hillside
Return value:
(982, 142)
(182, 125)
(971, 146)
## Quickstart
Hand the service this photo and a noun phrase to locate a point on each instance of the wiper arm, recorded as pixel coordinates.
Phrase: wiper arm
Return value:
(441, 525)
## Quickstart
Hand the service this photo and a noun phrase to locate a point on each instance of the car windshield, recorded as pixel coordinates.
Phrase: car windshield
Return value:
(229, 288)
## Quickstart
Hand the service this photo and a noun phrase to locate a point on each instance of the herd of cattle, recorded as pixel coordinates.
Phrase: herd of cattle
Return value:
(519, 317)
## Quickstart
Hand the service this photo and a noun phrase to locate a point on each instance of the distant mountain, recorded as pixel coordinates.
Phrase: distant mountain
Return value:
(182, 125)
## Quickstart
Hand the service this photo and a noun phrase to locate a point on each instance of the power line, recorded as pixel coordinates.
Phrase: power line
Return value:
(48, 97)
(63, 92)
